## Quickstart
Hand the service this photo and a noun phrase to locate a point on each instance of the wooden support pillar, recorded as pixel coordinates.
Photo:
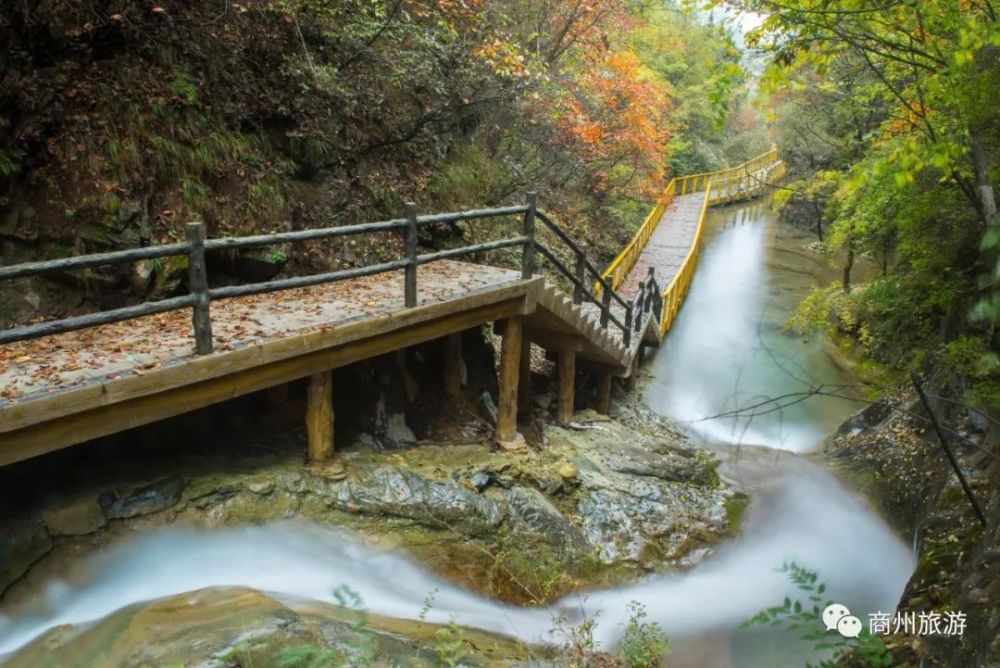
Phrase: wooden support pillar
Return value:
(524, 381)
(410, 386)
(453, 364)
(633, 375)
(567, 382)
(510, 366)
(604, 394)
(319, 416)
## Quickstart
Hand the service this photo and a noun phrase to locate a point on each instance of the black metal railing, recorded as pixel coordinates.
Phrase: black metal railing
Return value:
(200, 295)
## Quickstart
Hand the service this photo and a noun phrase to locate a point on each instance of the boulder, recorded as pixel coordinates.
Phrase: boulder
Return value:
(76, 518)
(142, 500)
(23, 544)
(394, 492)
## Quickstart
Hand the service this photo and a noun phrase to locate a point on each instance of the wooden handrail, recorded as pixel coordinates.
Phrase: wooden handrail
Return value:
(201, 296)
(619, 268)
(727, 186)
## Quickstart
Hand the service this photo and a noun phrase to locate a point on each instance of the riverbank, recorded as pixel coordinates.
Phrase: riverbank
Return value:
(891, 450)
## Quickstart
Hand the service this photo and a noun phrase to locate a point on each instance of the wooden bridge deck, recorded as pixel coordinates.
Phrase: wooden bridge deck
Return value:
(57, 390)
(100, 356)
(669, 244)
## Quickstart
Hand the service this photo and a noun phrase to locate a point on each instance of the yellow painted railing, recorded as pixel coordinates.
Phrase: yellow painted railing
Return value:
(722, 186)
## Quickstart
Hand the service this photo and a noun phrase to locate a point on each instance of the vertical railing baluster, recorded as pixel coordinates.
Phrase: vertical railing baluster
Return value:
(410, 277)
(651, 281)
(627, 334)
(198, 284)
(581, 273)
(528, 252)
(605, 306)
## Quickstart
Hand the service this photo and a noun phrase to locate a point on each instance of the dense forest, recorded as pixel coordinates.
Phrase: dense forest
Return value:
(887, 114)
(121, 121)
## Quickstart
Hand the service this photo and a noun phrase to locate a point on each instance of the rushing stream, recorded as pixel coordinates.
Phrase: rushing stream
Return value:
(725, 351)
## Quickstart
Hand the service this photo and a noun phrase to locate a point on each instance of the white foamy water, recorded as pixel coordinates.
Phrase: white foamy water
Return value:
(727, 350)
(812, 520)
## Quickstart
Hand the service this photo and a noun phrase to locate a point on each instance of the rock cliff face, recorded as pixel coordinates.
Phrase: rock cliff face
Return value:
(892, 448)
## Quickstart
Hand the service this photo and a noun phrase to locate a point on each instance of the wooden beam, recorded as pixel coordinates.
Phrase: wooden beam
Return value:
(510, 365)
(567, 382)
(108, 419)
(453, 365)
(604, 394)
(548, 338)
(319, 416)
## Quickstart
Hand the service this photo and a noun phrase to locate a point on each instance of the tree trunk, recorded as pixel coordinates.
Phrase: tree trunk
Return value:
(849, 263)
(984, 189)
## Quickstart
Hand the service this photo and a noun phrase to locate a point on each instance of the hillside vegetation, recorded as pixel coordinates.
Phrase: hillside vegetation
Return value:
(121, 120)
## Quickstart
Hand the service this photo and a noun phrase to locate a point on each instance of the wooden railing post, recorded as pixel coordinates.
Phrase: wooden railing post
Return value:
(651, 282)
(605, 307)
(410, 288)
(627, 334)
(198, 280)
(581, 274)
(528, 252)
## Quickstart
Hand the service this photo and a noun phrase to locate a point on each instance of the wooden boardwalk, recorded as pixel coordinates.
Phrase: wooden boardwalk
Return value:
(669, 244)
(67, 381)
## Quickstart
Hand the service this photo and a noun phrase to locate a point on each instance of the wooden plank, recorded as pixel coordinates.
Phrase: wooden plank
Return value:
(197, 369)
(319, 416)
(567, 382)
(109, 419)
(510, 365)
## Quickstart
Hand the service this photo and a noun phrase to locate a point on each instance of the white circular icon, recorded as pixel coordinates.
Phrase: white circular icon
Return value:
(833, 614)
(849, 626)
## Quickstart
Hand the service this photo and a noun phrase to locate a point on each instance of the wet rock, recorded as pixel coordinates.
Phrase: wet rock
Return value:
(566, 471)
(639, 497)
(23, 544)
(76, 518)
(530, 512)
(244, 627)
(261, 487)
(397, 432)
(481, 480)
(867, 418)
(488, 404)
(386, 490)
(151, 498)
